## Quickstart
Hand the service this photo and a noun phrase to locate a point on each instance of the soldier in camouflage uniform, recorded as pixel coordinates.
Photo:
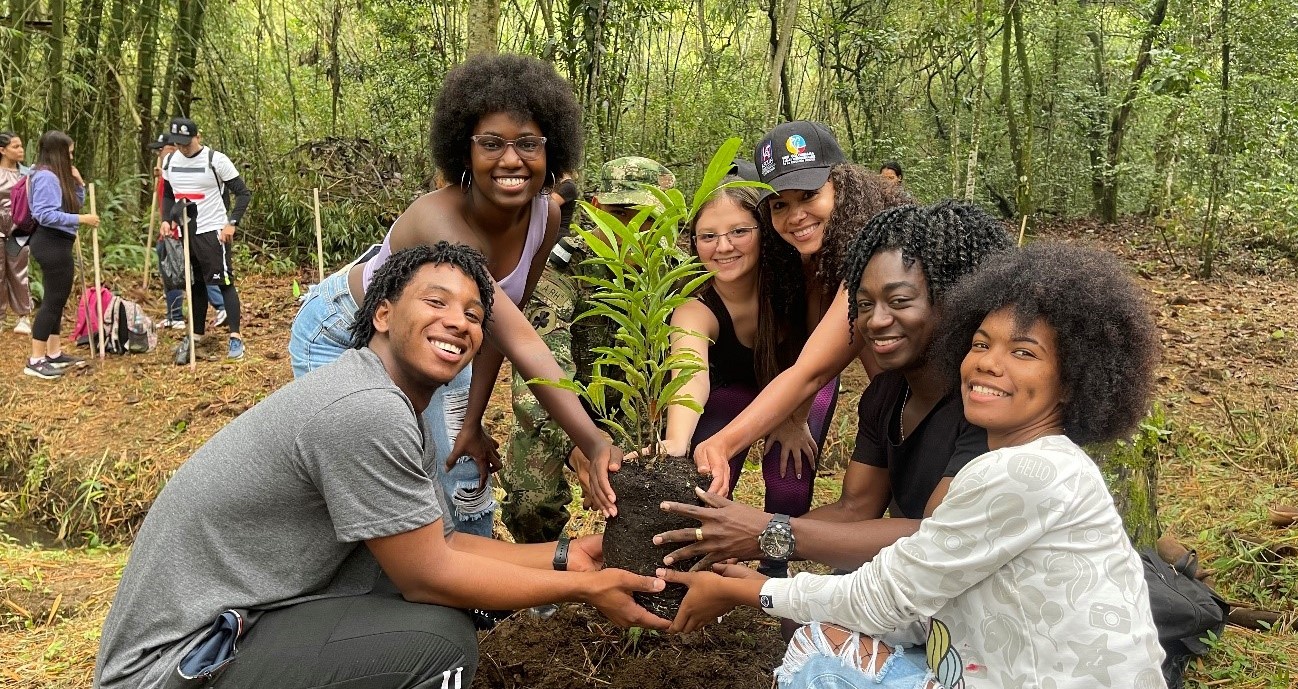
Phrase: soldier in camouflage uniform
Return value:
(537, 495)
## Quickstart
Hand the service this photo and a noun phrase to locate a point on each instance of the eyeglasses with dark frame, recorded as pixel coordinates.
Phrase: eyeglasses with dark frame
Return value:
(493, 147)
(737, 235)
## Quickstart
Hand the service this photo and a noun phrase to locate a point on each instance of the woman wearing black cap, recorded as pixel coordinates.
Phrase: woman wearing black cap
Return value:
(819, 205)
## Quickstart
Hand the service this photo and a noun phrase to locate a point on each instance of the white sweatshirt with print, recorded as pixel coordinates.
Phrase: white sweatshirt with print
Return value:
(1025, 563)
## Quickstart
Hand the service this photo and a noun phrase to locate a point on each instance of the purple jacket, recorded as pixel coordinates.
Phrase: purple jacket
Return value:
(46, 201)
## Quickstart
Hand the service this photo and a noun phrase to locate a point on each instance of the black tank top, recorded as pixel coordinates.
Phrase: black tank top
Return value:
(729, 361)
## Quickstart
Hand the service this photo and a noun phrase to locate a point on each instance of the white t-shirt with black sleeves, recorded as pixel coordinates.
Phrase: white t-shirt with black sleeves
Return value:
(192, 178)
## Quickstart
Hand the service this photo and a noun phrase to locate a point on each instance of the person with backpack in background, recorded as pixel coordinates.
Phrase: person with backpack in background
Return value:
(175, 296)
(15, 293)
(56, 192)
(196, 179)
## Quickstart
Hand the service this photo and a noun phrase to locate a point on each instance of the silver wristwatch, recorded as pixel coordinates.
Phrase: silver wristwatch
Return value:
(776, 540)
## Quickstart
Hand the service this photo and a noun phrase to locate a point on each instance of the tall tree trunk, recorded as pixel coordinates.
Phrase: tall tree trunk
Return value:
(783, 17)
(484, 22)
(1095, 116)
(86, 95)
(1011, 119)
(114, 88)
(54, 108)
(335, 66)
(1219, 150)
(190, 37)
(145, 67)
(975, 133)
(16, 92)
(1118, 125)
(1020, 137)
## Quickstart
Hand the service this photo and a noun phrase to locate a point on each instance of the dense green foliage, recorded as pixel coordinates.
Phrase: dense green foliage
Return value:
(1181, 110)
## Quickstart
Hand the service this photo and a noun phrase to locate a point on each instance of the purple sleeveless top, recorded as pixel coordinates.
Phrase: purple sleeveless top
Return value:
(513, 284)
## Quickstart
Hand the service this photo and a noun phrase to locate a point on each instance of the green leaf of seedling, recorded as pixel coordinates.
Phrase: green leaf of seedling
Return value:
(297, 290)
(717, 170)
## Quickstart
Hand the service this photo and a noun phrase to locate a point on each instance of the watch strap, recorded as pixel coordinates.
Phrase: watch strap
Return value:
(561, 553)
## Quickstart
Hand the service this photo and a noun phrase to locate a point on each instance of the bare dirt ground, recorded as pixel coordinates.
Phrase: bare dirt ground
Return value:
(84, 456)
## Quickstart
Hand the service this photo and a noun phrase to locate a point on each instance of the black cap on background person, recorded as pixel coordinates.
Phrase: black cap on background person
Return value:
(160, 142)
(797, 155)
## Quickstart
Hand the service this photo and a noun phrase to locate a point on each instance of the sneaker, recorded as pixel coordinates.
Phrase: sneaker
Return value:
(182, 352)
(178, 324)
(65, 360)
(42, 369)
(219, 320)
(236, 347)
(24, 326)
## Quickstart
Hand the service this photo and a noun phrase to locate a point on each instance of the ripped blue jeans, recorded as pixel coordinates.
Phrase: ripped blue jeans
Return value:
(812, 662)
(322, 332)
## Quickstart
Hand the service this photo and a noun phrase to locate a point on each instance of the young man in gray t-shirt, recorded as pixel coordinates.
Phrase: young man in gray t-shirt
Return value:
(304, 544)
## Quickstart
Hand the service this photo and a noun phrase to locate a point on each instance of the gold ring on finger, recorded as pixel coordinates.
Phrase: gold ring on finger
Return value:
(698, 533)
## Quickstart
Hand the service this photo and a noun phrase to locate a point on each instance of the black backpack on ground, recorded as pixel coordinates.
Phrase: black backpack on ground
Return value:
(1185, 610)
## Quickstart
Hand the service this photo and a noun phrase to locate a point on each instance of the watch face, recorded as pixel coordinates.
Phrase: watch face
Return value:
(777, 541)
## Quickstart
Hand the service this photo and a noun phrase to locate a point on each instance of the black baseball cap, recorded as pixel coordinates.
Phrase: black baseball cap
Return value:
(797, 155)
(181, 130)
(163, 140)
(743, 169)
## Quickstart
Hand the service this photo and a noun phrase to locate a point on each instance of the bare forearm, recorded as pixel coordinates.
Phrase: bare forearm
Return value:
(847, 545)
(486, 367)
(784, 396)
(470, 580)
(532, 555)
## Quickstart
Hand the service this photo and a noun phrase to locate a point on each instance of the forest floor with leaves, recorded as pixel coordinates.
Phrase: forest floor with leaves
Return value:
(82, 458)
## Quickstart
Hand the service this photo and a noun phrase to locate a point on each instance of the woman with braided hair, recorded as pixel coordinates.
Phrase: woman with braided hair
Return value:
(912, 436)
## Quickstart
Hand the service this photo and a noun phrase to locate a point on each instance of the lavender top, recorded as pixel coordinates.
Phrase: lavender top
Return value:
(513, 284)
(46, 201)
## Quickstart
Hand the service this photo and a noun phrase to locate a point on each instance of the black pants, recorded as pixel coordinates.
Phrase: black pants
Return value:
(375, 641)
(52, 251)
(211, 265)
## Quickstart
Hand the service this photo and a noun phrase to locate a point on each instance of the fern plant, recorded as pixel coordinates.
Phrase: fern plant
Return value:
(645, 276)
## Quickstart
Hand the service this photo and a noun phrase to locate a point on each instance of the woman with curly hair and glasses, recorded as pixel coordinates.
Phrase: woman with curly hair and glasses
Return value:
(505, 129)
(1025, 573)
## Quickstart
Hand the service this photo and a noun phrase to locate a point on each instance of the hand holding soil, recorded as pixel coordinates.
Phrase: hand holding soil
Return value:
(474, 441)
(713, 594)
(713, 459)
(596, 490)
(586, 554)
(730, 530)
(610, 593)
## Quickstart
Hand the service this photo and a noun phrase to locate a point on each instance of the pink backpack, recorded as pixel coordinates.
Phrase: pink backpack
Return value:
(20, 209)
(88, 313)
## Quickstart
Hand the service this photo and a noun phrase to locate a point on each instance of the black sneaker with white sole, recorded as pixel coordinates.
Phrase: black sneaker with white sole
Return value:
(42, 369)
(65, 360)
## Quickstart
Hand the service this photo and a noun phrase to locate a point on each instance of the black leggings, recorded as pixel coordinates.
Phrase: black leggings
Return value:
(52, 251)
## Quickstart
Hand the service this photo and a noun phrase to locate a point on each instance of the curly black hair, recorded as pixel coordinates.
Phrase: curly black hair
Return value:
(894, 166)
(391, 278)
(522, 86)
(859, 194)
(1108, 341)
(949, 239)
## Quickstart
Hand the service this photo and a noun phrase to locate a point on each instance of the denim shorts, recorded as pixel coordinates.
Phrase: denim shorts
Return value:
(322, 333)
(812, 663)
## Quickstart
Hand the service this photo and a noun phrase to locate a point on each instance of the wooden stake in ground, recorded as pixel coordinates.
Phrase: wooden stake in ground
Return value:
(319, 238)
(189, 288)
(148, 238)
(94, 248)
(1023, 228)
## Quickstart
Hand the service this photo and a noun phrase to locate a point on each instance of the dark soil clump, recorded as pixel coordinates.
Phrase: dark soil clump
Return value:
(579, 648)
(628, 538)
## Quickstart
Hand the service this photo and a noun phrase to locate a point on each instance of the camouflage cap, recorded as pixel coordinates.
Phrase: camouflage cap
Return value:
(619, 181)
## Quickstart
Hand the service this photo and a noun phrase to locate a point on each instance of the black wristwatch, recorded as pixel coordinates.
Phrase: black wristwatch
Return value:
(561, 553)
(776, 540)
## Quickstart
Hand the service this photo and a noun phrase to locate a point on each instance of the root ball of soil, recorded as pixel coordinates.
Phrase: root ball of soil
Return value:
(628, 538)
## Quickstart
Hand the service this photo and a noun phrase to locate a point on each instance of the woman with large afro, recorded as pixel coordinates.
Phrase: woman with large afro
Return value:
(505, 129)
(1024, 575)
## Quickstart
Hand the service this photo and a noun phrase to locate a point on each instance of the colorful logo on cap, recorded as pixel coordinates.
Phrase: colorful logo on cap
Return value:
(768, 151)
(796, 144)
(182, 129)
